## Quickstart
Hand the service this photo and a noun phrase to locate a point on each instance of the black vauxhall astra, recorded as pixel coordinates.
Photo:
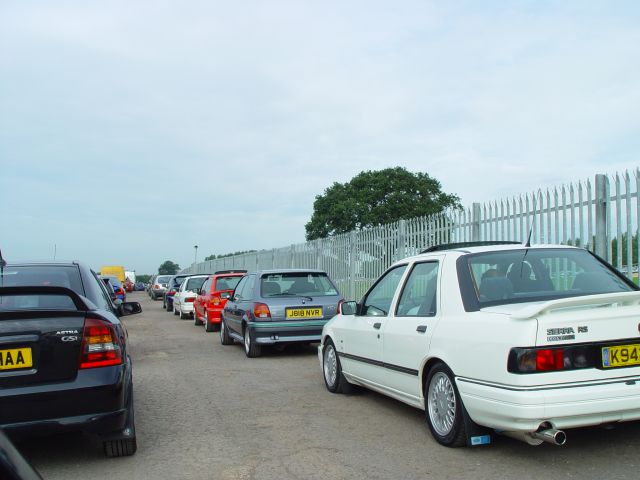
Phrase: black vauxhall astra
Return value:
(64, 362)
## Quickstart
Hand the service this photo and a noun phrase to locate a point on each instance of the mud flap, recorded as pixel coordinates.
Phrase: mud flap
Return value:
(476, 435)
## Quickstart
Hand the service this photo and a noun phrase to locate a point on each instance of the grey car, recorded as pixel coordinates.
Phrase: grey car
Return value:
(159, 286)
(278, 307)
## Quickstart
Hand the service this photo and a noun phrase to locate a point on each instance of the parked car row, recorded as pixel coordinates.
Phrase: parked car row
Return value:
(483, 337)
(267, 307)
(64, 358)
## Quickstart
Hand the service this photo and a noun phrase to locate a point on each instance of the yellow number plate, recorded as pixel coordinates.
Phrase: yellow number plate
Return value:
(15, 358)
(304, 312)
(620, 356)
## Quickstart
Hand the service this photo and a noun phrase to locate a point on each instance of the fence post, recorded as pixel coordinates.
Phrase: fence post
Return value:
(602, 222)
(401, 249)
(352, 264)
(475, 223)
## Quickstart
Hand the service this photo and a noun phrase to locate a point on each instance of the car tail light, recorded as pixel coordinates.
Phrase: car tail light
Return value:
(545, 359)
(340, 306)
(214, 301)
(189, 299)
(156, 286)
(261, 310)
(100, 346)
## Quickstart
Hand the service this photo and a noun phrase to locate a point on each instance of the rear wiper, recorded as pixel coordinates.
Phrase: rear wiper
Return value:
(286, 294)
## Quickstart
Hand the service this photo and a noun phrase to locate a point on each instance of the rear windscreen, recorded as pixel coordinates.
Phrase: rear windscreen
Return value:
(114, 281)
(195, 284)
(163, 279)
(227, 283)
(314, 284)
(36, 276)
(533, 274)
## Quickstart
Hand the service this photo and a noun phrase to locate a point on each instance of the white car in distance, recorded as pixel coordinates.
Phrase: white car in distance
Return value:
(521, 340)
(186, 295)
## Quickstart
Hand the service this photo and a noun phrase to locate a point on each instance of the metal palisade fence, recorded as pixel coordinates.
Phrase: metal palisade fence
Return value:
(602, 216)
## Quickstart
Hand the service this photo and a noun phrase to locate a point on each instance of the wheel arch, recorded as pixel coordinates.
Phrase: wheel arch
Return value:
(428, 364)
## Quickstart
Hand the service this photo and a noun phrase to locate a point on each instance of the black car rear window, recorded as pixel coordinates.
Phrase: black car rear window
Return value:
(40, 275)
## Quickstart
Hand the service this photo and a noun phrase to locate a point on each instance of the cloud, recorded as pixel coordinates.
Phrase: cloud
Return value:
(217, 123)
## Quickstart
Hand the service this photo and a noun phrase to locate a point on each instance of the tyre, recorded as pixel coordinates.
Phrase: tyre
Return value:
(183, 316)
(153, 296)
(251, 348)
(164, 301)
(169, 307)
(225, 338)
(333, 377)
(124, 447)
(120, 448)
(443, 407)
(208, 326)
(196, 321)
(175, 311)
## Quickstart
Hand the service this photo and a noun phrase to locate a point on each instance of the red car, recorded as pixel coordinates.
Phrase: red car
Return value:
(213, 295)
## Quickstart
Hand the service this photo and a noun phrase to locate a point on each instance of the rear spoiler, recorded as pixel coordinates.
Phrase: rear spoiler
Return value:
(545, 308)
(78, 301)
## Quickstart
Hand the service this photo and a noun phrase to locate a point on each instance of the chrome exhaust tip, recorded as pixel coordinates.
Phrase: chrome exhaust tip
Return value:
(551, 435)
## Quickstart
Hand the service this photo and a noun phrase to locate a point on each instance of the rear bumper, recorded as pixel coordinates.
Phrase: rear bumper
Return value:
(519, 409)
(96, 401)
(186, 307)
(214, 315)
(286, 332)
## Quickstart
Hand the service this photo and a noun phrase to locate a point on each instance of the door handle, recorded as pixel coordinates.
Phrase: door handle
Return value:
(377, 325)
(421, 328)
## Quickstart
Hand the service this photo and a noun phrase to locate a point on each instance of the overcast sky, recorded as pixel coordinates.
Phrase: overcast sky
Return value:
(132, 131)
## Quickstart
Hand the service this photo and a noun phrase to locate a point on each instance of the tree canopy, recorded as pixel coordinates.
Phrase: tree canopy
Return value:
(374, 198)
(168, 268)
(213, 257)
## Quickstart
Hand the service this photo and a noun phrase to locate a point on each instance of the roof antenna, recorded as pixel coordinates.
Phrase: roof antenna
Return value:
(528, 244)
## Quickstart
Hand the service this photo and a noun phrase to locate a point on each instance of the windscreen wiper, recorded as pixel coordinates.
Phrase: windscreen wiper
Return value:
(287, 294)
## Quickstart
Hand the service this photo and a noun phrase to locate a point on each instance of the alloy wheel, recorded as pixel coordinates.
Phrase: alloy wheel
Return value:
(441, 400)
(330, 365)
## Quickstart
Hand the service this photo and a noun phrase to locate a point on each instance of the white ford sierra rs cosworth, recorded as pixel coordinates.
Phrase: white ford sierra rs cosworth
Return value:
(523, 340)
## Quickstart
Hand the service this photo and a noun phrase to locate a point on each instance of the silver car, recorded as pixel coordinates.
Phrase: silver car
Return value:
(159, 286)
(278, 306)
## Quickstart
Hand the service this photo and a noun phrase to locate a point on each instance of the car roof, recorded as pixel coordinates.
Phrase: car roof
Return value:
(48, 263)
(467, 250)
(290, 270)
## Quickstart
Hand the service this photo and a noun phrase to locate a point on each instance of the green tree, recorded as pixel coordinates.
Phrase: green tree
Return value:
(143, 278)
(213, 257)
(374, 198)
(168, 268)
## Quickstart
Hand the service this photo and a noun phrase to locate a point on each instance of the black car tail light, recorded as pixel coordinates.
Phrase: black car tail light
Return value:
(100, 345)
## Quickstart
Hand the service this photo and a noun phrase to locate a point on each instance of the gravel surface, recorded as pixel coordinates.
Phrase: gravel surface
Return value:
(205, 411)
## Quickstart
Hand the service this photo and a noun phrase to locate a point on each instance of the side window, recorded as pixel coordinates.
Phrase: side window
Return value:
(240, 287)
(378, 301)
(247, 290)
(418, 298)
(103, 300)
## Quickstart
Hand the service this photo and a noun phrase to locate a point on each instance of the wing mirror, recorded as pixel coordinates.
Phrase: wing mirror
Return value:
(349, 308)
(129, 308)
